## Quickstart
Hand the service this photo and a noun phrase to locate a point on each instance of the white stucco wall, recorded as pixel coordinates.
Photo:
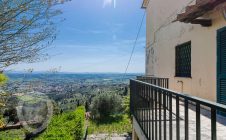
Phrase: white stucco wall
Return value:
(137, 131)
(163, 36)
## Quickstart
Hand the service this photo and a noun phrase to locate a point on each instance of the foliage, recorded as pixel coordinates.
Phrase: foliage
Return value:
(68, 126)
(3, 97)
(104, 105)
(3, 78)
(114, 124)
(15, 134)
(80, 122)
(126, 105)
(56, 109)
(11, 113)
(26, 29)
(2, 121)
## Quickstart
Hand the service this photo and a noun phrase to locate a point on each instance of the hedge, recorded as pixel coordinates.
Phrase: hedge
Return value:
(69, 126)
(80, 123)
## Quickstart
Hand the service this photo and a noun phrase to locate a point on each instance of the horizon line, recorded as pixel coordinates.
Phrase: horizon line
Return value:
(64, 72)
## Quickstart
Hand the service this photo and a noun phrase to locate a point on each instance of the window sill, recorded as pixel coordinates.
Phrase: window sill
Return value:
(183, 77)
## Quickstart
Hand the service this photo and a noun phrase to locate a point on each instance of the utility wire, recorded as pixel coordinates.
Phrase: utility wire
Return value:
(134, 45)
(135, 42)
(163, 25)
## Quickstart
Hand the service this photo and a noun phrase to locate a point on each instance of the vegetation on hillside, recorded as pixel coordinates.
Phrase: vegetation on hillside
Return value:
(114, 124)
(68, 126)
(3, 95)
(105, 104)
(3, 78)
(15, 134)
(115, 113)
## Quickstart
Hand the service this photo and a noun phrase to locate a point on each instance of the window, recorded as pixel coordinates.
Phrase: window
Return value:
(183, 60)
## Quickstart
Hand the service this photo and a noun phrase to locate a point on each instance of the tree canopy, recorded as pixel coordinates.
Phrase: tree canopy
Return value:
(26, 28)
(105, 104)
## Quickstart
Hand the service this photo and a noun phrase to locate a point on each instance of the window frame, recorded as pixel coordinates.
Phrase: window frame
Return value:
(187, 74)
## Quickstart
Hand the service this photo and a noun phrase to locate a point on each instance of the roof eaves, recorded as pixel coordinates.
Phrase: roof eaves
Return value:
(145, 4)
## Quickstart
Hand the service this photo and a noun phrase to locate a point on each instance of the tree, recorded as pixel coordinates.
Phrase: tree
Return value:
(87, 106)
(26, 28)
(106, 104)
(3, 79)
(3, 97)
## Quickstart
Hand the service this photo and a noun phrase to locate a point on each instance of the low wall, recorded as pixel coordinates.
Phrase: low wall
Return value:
(137, 131)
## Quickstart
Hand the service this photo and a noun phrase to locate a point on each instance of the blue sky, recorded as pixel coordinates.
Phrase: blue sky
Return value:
(97, 36)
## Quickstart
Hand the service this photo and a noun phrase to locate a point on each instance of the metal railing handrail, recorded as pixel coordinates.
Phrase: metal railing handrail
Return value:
(205, 102)
(151, 77)
(150, 102)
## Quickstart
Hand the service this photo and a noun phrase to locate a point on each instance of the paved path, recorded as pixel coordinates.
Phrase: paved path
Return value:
(109, 137)
(205, 123)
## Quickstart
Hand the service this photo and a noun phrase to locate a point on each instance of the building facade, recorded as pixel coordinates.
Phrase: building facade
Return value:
(186, 43)
(185, 69)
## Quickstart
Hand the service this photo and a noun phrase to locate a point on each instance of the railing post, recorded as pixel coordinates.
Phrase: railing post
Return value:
(146, 110)
(131, 96)
(156, 111)
(164, 114)
(149, 112)
(186, 119)
(160, 114)
(198, 127)
(177, 118)
(152, 114)
(170, 118)
(213, 124)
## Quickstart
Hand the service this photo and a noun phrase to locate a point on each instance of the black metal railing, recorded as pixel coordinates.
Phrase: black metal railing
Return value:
(148, 104)
(161, 82)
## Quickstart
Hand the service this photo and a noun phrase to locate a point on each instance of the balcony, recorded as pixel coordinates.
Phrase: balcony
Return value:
(163, 114)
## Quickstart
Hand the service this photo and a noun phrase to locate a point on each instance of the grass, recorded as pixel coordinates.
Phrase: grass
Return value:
(67, 126)
(16, 134)
(115, 124)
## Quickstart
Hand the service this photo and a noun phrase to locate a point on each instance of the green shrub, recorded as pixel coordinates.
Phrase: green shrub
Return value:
(105, 104)
(69, 126)
(80, 122)
(126, 105)
(3, 78)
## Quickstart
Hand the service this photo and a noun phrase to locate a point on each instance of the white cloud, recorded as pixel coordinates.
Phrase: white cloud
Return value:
(109, 3)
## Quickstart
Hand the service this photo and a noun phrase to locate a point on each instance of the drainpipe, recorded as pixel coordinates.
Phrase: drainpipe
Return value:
(182, 86)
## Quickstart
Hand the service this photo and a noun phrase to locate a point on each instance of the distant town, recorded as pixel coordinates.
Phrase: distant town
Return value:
(67, 90)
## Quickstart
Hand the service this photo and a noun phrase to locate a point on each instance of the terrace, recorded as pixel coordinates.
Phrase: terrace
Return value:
(163, 114)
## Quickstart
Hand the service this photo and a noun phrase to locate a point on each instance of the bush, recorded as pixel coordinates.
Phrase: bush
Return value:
(80, 122)
(126, 105)
(68, 126)
(105, 104)
(3, 78)
(2, 122)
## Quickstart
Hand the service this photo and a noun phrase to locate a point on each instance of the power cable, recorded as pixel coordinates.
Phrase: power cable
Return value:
(134, 46)
(135, 43)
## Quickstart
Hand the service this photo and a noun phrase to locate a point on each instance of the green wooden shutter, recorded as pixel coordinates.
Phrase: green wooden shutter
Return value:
(221, 66)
